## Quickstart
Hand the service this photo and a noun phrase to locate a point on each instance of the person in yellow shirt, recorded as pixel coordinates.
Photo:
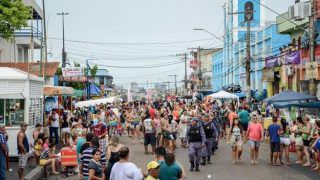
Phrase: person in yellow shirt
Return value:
(154, 170)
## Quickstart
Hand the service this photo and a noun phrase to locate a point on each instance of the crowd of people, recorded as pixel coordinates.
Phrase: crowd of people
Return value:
(198, 126)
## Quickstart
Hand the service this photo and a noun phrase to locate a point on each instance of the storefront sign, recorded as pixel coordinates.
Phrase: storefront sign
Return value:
(71, 72)
(272, 61)
(293, 58)
(284, 58)
(268, 75)
(194, 63)
(73, 79)
(311, 70)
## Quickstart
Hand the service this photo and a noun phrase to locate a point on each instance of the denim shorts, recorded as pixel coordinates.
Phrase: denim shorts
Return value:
(254, 143)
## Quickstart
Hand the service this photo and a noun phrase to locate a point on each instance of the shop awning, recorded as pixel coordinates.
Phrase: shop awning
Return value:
(11, 96)
(96, 102)
(57, 90)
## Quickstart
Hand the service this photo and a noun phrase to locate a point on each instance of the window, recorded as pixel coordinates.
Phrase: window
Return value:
(12, 111)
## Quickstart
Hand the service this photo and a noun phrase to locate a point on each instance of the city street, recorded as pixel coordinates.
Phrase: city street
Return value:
(222, 169)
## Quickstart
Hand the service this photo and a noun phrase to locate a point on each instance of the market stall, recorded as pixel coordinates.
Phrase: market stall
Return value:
(224, 95)
(95, 102)
(21, 100)
(288, 99)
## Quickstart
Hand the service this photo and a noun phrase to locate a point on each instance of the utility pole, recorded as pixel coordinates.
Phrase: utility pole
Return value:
(248, 17)
(168, 85)
(44, 39)
(184, 57)
(312, 82)
(64, 54)
(200, 73)
(175, 83)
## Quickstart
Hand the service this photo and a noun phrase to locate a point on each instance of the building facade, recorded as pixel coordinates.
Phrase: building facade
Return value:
(296, 76)
(229, 64)
(26, 40)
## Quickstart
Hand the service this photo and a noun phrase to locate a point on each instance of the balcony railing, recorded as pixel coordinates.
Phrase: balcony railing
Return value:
(28, 31)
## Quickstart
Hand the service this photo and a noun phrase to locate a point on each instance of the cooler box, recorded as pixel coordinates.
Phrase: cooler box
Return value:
(69, 157)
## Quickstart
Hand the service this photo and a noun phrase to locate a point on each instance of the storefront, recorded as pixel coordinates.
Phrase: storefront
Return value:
(21, 100)
(282, 72)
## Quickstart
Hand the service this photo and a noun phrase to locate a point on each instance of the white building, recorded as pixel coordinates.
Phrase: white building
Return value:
(26, 41)
(21, 100)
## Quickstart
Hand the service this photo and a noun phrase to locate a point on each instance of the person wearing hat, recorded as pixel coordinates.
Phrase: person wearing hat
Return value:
(211, 133)
(196, 139)
(3, 151)
(153, 170)
(23, 149)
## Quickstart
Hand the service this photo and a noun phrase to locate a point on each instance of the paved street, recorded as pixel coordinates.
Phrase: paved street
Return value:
(222, 169)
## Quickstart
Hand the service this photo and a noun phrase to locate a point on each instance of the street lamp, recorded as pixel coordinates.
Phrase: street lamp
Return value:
(64, 55)
(201, 29)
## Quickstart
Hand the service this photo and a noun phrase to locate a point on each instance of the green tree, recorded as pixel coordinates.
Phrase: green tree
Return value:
(59, 71)
(13, 15)
(93, 71)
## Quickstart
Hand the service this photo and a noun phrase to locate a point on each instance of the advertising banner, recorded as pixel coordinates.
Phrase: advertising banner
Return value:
(284, 58)
(293, 58)
(71, 72)
(272, 61)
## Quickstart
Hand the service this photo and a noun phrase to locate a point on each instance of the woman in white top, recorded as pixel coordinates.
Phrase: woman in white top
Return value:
(124, 169)
(235, 139)
(183, 127)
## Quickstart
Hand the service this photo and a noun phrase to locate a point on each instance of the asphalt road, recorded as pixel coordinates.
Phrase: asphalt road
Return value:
(223, 169)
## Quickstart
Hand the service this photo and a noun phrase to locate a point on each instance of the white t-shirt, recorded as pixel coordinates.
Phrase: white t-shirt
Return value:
(56, 122)
(125, 171)
(148, 126)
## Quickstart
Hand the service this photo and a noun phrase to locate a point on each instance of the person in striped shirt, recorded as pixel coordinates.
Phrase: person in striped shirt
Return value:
(87, 156)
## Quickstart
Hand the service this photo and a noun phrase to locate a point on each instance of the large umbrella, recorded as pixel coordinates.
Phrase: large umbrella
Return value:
(290, 96)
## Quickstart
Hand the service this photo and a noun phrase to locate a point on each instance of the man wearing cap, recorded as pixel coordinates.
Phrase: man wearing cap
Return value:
(196, 139)
(211, 133)
(153, 170)
(3, 152)
(23, 149)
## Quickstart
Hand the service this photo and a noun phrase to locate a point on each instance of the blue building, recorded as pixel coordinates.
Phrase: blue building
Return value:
(265, 41)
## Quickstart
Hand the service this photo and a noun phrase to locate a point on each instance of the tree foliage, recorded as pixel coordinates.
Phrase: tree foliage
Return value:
(14, 15)
(93, 71)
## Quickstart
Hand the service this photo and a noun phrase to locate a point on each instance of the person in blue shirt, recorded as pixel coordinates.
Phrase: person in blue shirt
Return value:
(274, 133)
(170, 169)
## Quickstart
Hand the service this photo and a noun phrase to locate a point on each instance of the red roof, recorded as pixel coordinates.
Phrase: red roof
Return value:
(34, 67)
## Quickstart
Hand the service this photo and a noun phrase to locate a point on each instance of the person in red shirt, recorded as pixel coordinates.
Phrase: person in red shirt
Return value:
(254, 134)
(152, 112)
(100, 130)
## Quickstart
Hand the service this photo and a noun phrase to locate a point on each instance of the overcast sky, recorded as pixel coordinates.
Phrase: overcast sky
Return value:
(122, 30)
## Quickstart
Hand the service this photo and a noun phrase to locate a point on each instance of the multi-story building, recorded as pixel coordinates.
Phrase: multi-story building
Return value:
(217, 74)
(26, 40)
(295, 76)
(229, 64)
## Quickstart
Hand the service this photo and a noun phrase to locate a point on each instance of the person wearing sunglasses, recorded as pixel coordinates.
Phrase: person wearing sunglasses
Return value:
(95, 167)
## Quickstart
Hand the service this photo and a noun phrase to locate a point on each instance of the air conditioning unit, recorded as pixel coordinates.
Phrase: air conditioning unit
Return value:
(300, 10)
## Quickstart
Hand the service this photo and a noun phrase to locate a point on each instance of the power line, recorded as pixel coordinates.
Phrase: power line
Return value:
(130, 44)
(139, 67)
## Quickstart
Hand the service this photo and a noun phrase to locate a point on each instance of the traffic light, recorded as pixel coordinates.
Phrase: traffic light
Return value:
(248, 7)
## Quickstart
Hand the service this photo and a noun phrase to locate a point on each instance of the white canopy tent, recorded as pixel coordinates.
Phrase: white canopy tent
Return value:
(223, 95)
(88, 103)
